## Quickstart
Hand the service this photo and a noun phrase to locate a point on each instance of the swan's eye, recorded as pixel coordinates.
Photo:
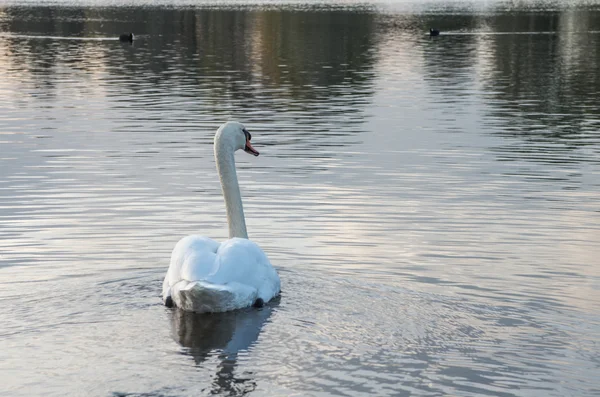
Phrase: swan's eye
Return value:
(248, 136)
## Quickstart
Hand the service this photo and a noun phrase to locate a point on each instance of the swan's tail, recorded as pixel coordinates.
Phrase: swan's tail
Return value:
(206, 297)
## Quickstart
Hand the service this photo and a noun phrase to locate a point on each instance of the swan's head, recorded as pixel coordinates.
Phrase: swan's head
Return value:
(236, 136)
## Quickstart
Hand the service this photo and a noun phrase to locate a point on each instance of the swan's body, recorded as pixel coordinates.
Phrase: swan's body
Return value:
(207, 276)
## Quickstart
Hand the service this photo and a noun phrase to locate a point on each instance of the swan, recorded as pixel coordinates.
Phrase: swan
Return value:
(207, 276)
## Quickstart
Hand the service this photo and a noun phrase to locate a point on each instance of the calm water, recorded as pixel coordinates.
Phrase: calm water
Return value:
(431, 204)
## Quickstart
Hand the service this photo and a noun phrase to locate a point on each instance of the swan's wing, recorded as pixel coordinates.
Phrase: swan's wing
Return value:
(193, 258)
(243, 261)
(207, 276)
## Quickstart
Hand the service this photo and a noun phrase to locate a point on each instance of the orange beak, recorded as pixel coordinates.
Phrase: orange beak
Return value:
(250, 149)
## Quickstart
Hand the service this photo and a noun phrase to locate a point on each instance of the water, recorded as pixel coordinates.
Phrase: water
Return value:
(430, 203)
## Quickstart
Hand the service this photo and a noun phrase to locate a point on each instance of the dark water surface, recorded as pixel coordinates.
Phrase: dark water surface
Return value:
(431, 204)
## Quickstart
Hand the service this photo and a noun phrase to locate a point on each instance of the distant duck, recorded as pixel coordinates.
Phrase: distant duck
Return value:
(126, 37)
(434, 32)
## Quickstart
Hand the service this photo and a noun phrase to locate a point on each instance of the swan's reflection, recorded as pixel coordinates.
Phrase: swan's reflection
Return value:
(223, 335)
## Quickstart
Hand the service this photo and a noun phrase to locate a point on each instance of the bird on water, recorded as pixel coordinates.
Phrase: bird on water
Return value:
(126, 37)
(206, 276)
(434, 32)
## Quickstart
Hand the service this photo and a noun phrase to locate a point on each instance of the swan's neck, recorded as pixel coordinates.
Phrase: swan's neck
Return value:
(231, 191)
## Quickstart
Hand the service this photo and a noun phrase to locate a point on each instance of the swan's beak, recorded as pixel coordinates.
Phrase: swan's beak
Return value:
(250, 149)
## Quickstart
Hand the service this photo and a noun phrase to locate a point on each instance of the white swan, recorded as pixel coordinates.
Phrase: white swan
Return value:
(207, 276)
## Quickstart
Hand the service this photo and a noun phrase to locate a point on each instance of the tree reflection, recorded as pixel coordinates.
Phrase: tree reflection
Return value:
(224, 335)
(536, 75)
(259, 65)
(547, 85)
(291, 48)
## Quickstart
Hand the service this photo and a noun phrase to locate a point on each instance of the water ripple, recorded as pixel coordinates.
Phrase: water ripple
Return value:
(429, 202)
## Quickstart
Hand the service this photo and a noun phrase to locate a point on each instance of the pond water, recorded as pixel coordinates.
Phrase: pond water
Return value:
(430, 203)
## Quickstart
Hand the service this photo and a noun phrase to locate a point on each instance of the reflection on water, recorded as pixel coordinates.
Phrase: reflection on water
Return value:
(225, 335)
(430, 203)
